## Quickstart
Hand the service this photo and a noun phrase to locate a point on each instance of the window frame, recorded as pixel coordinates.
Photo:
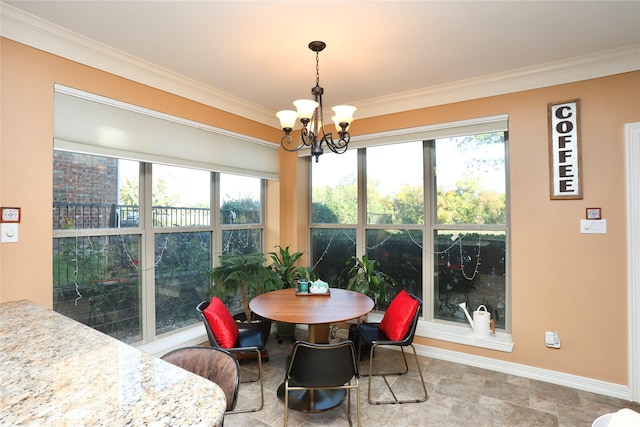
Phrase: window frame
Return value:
(428, 326)
(147, 234)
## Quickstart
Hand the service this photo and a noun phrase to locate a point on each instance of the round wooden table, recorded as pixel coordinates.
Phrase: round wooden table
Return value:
(312, 309)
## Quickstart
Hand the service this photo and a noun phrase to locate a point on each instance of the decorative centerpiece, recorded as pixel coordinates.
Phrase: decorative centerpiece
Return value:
(319, 287)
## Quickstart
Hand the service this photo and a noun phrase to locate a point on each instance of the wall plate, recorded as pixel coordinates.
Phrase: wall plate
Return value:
(593, 226)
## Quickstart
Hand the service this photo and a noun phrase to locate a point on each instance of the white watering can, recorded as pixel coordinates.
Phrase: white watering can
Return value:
(481, 324)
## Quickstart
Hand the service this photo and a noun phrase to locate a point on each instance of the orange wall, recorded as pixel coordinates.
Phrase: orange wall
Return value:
(561, 280)
(26, 160)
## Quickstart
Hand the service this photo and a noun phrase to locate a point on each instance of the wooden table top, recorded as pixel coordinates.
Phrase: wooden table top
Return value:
(285, 306)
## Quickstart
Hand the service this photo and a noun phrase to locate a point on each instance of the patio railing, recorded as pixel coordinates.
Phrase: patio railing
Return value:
(106, 215)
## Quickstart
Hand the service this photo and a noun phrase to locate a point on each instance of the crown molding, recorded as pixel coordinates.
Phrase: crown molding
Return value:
(27, 29)
(570, 70)
(32, 31)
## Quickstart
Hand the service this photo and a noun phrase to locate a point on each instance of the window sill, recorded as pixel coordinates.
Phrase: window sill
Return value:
(191, 335)
(500, 341)
(442, 331)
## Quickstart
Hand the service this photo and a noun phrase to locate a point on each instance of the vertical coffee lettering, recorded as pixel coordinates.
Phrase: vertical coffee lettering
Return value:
(564, 145)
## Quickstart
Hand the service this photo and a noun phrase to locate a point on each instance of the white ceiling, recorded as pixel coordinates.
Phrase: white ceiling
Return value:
(257, 50)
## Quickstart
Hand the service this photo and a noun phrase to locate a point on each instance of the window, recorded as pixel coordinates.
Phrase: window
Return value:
(182, 249)
(470, 230)
(241, 214)
(432, 211)
(334, 213)
(96, 272)
(107, 210)
(144, 203)
(395, 212)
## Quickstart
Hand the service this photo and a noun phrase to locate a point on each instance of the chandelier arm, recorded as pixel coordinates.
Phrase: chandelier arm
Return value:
(287, 141)
(337, 146)
(306, 136)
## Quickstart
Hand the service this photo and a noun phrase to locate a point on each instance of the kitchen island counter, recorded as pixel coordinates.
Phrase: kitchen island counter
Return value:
(55, 371)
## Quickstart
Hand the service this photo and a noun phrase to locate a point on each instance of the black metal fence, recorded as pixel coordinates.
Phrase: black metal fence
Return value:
(111, 215)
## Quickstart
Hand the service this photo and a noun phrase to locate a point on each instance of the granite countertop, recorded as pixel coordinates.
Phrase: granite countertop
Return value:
(55, 371)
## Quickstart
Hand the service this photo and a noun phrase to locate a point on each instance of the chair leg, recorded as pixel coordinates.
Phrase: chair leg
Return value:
(349, 406)
(358, 402)
(261, 379)
(357, 399)
(286, 403)
(380, 374)
(384, 375)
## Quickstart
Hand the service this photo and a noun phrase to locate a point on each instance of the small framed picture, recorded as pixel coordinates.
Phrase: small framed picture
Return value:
(10, 215)
(594, 213)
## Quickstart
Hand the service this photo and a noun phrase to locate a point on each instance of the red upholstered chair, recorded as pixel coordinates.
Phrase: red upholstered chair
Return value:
(397, 328)
(224, 332)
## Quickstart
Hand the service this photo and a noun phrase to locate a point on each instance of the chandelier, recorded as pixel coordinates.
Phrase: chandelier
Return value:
(309, 111)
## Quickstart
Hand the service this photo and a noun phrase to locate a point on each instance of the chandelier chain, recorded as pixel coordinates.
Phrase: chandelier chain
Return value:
(317, 68)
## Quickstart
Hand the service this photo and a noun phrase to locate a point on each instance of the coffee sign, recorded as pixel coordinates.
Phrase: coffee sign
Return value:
(564, 150)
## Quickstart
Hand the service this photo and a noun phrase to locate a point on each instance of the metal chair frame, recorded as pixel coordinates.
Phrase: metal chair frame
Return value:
(236, 351)
(348, 385)
(407, 341)
(206, 356)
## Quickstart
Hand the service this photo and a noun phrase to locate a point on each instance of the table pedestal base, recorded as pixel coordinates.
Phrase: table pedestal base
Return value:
(312, 400)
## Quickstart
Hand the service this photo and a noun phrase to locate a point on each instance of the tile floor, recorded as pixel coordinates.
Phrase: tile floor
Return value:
(459, 395)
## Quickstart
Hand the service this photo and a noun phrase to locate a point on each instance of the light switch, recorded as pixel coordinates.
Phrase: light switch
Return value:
(9, 232)
(593, 226)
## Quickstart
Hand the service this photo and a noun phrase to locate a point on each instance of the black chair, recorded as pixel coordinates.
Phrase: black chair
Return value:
(214, 364)
(371, 335)
(249, 341)
(320, 367)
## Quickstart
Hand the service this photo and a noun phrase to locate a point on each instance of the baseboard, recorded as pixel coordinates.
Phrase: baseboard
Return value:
(196, 336)
(554, 377)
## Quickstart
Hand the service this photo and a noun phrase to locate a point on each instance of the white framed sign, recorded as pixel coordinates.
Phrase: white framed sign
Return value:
(564, 150)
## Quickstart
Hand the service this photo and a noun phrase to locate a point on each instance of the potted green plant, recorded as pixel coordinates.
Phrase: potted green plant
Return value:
(333, 334)
(284, 264)
(363, 276)
(247, 276)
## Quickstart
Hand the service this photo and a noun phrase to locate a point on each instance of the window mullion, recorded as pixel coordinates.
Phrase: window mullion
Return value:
(147, 276)
(361, 242)
(427, 235)
(216, 220)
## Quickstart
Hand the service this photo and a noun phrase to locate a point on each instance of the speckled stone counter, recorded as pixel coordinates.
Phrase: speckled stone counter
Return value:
(55, 371)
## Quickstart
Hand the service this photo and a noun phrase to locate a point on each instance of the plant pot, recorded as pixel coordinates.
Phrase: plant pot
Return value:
(285, 330)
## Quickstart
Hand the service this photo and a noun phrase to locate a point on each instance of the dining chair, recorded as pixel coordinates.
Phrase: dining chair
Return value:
(397, 329)
(214, 364)
(224, 332)
(323, 367)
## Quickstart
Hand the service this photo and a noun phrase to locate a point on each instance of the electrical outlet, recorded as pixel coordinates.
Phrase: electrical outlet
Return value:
(551, 339)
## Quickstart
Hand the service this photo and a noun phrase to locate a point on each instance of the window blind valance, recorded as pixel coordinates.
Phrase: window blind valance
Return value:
(93, 124)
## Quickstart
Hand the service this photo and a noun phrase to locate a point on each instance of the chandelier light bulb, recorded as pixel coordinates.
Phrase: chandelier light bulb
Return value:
(287, 118)
(344, 114)
(336, 122)
(305, 107)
